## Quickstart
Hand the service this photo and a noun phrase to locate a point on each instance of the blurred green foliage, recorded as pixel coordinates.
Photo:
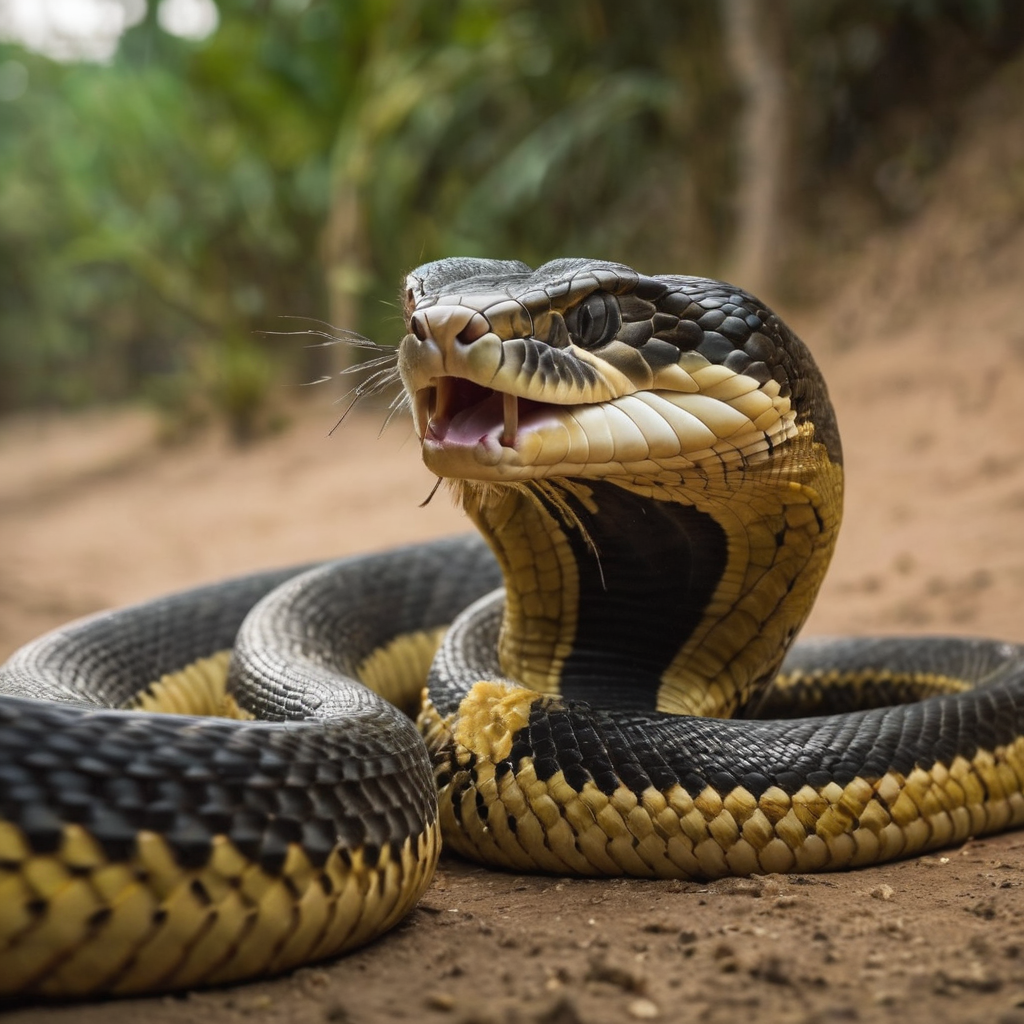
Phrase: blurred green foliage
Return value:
(159, 213)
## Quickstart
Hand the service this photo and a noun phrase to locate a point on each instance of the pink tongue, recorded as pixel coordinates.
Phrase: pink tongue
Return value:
(475, 423)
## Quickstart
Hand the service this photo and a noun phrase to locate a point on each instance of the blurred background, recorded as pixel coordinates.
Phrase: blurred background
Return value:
(186, 183)
(177, 175)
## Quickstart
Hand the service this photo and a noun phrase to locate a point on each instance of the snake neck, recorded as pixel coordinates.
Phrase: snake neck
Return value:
(680, 595)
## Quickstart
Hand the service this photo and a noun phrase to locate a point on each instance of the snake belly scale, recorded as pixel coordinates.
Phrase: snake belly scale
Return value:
(655, 473)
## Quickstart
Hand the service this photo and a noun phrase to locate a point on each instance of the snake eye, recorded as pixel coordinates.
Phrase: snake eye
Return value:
(595, 320)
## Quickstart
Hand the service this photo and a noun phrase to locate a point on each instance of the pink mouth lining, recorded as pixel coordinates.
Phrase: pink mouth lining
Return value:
(464, 414)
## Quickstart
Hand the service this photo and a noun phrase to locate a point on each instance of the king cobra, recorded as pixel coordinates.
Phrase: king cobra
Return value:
(221, 784)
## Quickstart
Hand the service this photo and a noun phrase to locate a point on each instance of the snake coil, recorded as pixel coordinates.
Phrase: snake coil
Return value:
(655, 472)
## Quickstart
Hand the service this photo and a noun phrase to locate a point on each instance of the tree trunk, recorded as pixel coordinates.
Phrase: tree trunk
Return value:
(755, 44)
(343, 254)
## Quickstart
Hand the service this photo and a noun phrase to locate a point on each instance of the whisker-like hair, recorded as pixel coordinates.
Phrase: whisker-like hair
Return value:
(433, 490)
(379, 373)
(389, 357)
(332, 335)
(400, 403)
(549, 496)
(553, 497)
(385, 375)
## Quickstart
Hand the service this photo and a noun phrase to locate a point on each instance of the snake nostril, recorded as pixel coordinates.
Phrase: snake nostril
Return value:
(474, 330)
(417, 327)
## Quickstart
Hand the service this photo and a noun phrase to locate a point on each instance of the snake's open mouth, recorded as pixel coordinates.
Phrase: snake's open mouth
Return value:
(458, 413)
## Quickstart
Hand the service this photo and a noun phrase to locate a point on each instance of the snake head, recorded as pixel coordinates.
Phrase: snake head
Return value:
(588, 369)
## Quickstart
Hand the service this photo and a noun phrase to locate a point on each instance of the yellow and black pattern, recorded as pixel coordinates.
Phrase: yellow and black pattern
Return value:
(166, 852)
(655, 471)
(156, 848)
(536, 782)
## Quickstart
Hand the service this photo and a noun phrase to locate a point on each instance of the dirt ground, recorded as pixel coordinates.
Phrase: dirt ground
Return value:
(923, 347)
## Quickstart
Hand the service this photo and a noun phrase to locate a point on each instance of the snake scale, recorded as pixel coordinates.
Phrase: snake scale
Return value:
(200, 789)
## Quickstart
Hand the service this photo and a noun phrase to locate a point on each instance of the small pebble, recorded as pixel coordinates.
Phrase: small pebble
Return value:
(440, 1001)
(643, 1009)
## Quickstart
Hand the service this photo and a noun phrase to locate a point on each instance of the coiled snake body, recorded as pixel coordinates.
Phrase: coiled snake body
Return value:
(655, 470)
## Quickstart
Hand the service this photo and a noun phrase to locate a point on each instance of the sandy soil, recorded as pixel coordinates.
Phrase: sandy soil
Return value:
(924, 351)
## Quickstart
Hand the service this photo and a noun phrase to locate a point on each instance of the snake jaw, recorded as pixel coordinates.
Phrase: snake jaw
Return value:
(470, 431)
